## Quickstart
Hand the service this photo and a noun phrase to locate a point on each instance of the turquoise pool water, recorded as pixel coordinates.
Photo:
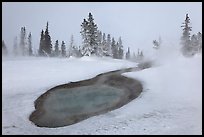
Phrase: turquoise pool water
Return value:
(66, 106)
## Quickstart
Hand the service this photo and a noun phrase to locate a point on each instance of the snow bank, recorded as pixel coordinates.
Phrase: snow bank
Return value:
(25, 79)
(172, 98)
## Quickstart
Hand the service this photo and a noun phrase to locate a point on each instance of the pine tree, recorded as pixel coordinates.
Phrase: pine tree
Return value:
(86, 50)
(47, 42)
(92, 34)
(128, 54)
(185, 39)
(104, 43)
(199, 36)
(71, 46)
(89, 36)
(4, 49)
(23, 41)
(63, 49)
(79, 53)
(30, 51)
(120, 49)
(108, 46)
(114, 49)
(41, 51)
(99, 50)
(56, 52)
(194, 43)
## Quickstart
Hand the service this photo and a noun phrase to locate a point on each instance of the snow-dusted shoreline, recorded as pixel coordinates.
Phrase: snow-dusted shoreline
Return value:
(171, 102)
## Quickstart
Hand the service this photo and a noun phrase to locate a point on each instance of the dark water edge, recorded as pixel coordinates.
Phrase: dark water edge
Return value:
(131, 87)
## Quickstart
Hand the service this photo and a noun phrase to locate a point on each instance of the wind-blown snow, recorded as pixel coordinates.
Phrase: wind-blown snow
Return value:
(172, 99)
(171, 102)
(25, 79)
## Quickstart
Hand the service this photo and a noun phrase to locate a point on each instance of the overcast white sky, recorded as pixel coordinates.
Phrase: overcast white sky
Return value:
(138, 23)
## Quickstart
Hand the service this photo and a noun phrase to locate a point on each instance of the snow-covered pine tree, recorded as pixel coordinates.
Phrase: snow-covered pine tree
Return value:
(41, 51)
(23, 41)
(89, 36)
(71, 45)
(199, 36)
(92, 34)
(47, 42)
(4, 49)
(86, 49)
(56, 51)
(99, 43)
(127, 55)
(120, 49)
(194, 44)
(114, 49)
(63, 49)
(108, 46)
(185, 39)
(30, 51)
(104, 43)
(117, 50)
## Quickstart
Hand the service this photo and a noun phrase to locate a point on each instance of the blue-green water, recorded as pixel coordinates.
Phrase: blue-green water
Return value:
(65, 106)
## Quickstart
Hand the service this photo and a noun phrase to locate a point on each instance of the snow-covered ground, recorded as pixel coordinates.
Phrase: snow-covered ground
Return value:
(171, 102)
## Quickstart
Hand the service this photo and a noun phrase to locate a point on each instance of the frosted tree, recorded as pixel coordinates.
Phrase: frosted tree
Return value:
(41, 51)
(199, 37)
(63, 49)
(127, 55)
(56, 51)
(71, 46)
(104, 43)
(99, 49)
(30, 51)
(114, 49)
(92, 34)
(89, 36)
(47, 42)
(4, 49)
(194, 43)
(185, 39)
(120, 49)
(22, 44)
(86, 50)
(15, 46)
(108, 46)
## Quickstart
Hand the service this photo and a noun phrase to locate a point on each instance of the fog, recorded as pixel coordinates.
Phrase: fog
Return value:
(137, 23)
